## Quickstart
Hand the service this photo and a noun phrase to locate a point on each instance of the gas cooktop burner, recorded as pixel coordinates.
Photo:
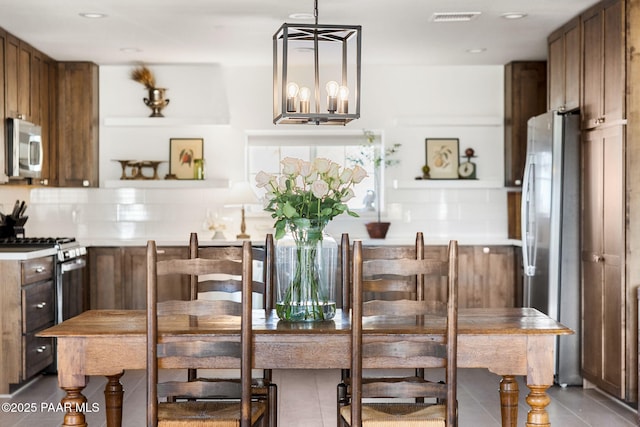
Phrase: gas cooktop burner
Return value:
(35, 241)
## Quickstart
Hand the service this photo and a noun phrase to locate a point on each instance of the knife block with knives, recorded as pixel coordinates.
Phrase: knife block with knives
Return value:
(12, 225)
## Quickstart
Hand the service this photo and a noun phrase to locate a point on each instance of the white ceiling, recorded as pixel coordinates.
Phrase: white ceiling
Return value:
(239, 32)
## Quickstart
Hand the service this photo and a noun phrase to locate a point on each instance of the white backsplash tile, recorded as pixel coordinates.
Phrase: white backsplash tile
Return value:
(141, 214)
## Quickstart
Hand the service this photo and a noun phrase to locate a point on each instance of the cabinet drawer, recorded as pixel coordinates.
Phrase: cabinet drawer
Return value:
(38, 353)
(36, 270)
(38, 306)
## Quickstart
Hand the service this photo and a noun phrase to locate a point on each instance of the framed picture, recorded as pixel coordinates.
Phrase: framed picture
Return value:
(443, 157)
(182, 153)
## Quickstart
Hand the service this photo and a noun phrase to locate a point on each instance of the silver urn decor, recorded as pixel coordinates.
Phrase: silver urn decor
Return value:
(156, 101)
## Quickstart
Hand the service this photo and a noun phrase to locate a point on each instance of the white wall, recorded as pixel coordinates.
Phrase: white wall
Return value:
(408, 104)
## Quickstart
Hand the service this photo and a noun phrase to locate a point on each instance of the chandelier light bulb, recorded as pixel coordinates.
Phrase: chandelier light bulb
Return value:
(332, 88)
(305, 96)
(292, 92)
(332, 96)
(343, 102)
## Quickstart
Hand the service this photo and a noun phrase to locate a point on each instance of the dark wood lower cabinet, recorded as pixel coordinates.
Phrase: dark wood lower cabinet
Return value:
(488, 276)
(170, 287)
(117, 277)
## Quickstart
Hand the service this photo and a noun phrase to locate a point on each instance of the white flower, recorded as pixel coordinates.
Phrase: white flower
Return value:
(319, 188)
(306, 168)
(348, 195)
(312, 177)
(345, 176)
(358, 174)
(290, 166)
(263, 178)
(321, 164)
(334, 171)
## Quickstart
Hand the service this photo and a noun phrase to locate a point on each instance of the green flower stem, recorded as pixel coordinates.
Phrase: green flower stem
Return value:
(303, 299)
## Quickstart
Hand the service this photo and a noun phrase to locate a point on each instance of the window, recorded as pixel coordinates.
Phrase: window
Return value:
(265, 150)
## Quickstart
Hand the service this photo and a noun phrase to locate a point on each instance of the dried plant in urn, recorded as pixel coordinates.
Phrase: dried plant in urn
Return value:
(156, 100)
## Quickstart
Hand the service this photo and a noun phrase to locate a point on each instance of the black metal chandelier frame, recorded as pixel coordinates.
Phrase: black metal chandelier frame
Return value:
(285, 108)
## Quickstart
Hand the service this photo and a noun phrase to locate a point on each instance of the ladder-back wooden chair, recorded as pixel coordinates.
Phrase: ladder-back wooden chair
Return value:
(226, 287)
(179, 353)
(381, 286)
(441, 352)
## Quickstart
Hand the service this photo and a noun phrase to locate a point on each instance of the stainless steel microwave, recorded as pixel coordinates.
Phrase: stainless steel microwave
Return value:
(24, 149)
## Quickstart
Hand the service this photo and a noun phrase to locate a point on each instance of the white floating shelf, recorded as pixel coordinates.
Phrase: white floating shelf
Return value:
(167, 183)
(446, 183)
(166, 121)
(462, 121)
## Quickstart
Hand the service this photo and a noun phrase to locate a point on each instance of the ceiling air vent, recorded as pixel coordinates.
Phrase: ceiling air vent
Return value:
(454, 16)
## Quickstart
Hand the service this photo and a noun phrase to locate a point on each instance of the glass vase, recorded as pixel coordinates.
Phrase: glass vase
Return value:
(306, 263)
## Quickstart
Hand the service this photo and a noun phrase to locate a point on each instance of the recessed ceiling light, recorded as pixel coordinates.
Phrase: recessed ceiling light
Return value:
(454, 16)
(302, 16)
(92, 15)
(513, 15)
(477, 50)
(130, 50)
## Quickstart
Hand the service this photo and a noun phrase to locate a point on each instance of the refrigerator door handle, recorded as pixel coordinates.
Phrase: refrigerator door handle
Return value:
(527, 232)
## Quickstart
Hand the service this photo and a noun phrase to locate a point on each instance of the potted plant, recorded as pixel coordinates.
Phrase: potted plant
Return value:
(372, 153)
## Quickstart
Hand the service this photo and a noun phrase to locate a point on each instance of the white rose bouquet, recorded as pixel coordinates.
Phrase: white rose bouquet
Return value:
(308, 193)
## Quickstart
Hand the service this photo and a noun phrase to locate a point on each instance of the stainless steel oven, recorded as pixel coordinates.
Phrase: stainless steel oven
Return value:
(70, 280)
(69, 270)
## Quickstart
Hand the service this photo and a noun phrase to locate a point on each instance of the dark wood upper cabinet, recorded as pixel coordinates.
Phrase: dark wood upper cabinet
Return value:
(77, 125)
(18, 57)
(525, 90)
(564, 57)
(603, 97)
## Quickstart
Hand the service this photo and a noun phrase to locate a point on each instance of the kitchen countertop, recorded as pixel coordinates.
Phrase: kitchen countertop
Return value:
(25, 253)
(471, 241)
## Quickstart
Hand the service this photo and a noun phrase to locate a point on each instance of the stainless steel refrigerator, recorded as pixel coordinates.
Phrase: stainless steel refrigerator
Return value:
(551, 231)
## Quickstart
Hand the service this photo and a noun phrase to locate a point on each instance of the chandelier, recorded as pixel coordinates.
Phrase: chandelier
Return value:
(316, 73)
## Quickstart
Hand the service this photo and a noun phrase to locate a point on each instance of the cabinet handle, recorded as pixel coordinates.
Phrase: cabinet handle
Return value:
(41, 305)
(40, 269)
(41, 349)
(597, 258)
(562, 108)
(44, 181)
(518, 182)
(486, 250)
(160, 251)
(85, 182)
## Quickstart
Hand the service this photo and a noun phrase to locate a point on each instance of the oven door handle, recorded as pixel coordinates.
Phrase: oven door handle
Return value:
(71, 265)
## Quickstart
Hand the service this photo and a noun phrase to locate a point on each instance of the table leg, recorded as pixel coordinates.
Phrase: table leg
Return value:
(509, 394)
(74, 402)
(113, 393)
(538, 399)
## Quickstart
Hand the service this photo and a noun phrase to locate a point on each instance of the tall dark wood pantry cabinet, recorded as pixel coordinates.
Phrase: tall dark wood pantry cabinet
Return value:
(603, 247)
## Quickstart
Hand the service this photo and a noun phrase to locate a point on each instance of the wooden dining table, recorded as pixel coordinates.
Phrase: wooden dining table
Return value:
(507, 341)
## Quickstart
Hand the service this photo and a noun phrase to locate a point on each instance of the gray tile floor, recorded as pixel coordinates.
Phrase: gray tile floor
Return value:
(307, 399)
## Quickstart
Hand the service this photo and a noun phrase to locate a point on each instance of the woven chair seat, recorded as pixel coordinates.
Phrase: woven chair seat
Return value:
(399, 414)
(205, 414)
